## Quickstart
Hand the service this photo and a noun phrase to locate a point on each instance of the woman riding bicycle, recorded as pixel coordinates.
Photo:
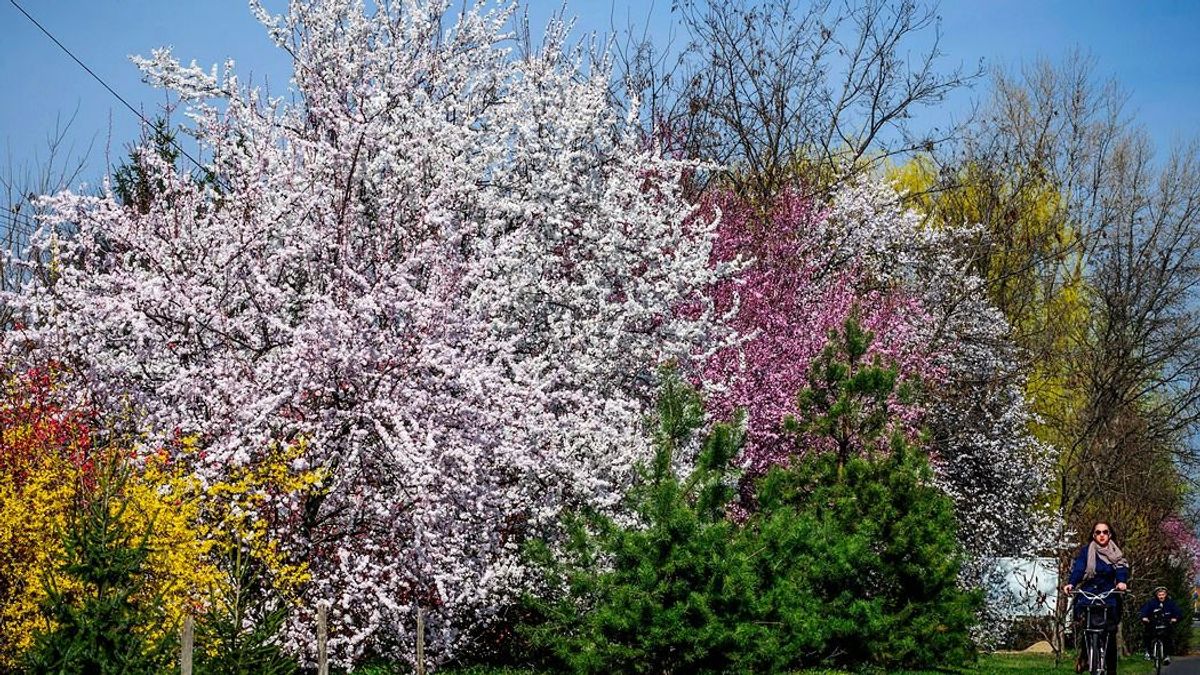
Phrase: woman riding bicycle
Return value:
(1099, 569)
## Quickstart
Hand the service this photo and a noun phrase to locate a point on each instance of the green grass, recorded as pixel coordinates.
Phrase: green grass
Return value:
(1009, 664)
(1020, 664)
(1000, 664)
(1015, 664)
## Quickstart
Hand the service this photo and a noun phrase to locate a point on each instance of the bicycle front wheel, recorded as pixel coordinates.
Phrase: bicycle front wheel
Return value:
(1095, 653)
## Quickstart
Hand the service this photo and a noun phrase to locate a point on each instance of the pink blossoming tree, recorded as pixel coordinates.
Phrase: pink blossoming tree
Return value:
(814, 265)
(797, 289)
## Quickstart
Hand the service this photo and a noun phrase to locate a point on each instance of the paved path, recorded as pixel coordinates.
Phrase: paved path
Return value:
(1184, 665)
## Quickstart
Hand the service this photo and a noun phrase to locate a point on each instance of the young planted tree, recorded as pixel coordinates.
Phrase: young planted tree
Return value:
(241, 633)
(45, 445)
(850, 557)
(96, 621)
(51, 449)
(864, 525)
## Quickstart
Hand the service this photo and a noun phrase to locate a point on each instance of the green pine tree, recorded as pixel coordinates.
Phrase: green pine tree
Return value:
(104, 628)
(863, 560)
(849, 397)
(669, 595)
(139, 181)
(244, 624)
(134, 183)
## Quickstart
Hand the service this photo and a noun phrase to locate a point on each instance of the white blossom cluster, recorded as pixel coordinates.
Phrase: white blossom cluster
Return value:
(444, 265)
(985, 454)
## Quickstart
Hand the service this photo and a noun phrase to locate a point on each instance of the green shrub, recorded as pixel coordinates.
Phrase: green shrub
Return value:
(101, 629)
(848, 559)
(860, 560)
(860, 565)
(669, 596)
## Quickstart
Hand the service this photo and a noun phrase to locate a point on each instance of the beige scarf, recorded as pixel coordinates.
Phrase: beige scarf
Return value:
(1111, 554)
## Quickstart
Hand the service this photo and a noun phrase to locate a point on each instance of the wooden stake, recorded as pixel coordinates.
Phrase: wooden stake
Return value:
(420, 641)
(187, 642)
(322, 641)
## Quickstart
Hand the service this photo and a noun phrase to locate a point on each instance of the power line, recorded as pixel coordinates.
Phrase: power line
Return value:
(104, 84)
(11, 234)
(13, 221)
(16, 219)
(19, 222)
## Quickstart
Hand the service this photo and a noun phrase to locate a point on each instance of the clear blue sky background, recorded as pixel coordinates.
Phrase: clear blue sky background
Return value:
(1152, 47)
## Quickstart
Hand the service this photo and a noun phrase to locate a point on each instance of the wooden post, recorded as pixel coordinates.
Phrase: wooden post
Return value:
(187, 642)
(420, 641)
(322, 640)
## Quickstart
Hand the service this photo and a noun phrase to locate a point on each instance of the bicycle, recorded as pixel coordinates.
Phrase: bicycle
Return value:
(1096, 630)
(1158, 628)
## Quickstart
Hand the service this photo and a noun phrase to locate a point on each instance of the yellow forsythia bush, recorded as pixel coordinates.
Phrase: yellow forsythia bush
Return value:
(32, 512)
(47, 456)
(44, 451)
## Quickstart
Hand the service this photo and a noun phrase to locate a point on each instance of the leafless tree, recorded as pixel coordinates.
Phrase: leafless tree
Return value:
(1142, 352)
(1068, 190)
(1028, 169)
(790, 93)
(60, 167)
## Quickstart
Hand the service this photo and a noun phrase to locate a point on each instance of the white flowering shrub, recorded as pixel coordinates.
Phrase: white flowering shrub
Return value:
(445, 265)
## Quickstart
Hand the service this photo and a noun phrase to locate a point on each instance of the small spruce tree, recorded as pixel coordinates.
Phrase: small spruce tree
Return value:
(667, 595)
(863, 565)
(105, 628)
(244, 624)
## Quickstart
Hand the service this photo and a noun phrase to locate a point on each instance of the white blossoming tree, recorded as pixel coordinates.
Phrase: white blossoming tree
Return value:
(986, 456)
(445, 265)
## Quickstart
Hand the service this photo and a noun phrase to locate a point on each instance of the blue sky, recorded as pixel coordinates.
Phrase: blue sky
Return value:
(1150, 47)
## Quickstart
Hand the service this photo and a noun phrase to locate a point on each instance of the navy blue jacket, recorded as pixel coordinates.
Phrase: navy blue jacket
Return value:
(1106, 577)
(1168, 608)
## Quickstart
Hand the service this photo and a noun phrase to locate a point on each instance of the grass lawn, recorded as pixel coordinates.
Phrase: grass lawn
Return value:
(1012, 664)
(1004, 664)
(1015, 664)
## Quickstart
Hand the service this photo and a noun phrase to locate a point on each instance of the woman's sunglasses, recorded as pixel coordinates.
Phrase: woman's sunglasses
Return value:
(1099, 532)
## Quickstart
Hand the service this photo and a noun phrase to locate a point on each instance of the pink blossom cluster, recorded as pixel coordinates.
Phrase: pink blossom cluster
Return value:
(807, 267)
(795, 291)
(1182, 540)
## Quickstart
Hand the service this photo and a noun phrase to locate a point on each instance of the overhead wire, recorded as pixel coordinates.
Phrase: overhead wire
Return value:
(14, 222)
(17, 220)
(104, 84)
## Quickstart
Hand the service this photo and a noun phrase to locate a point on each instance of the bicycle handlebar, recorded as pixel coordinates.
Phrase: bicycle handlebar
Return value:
(1093, 597)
